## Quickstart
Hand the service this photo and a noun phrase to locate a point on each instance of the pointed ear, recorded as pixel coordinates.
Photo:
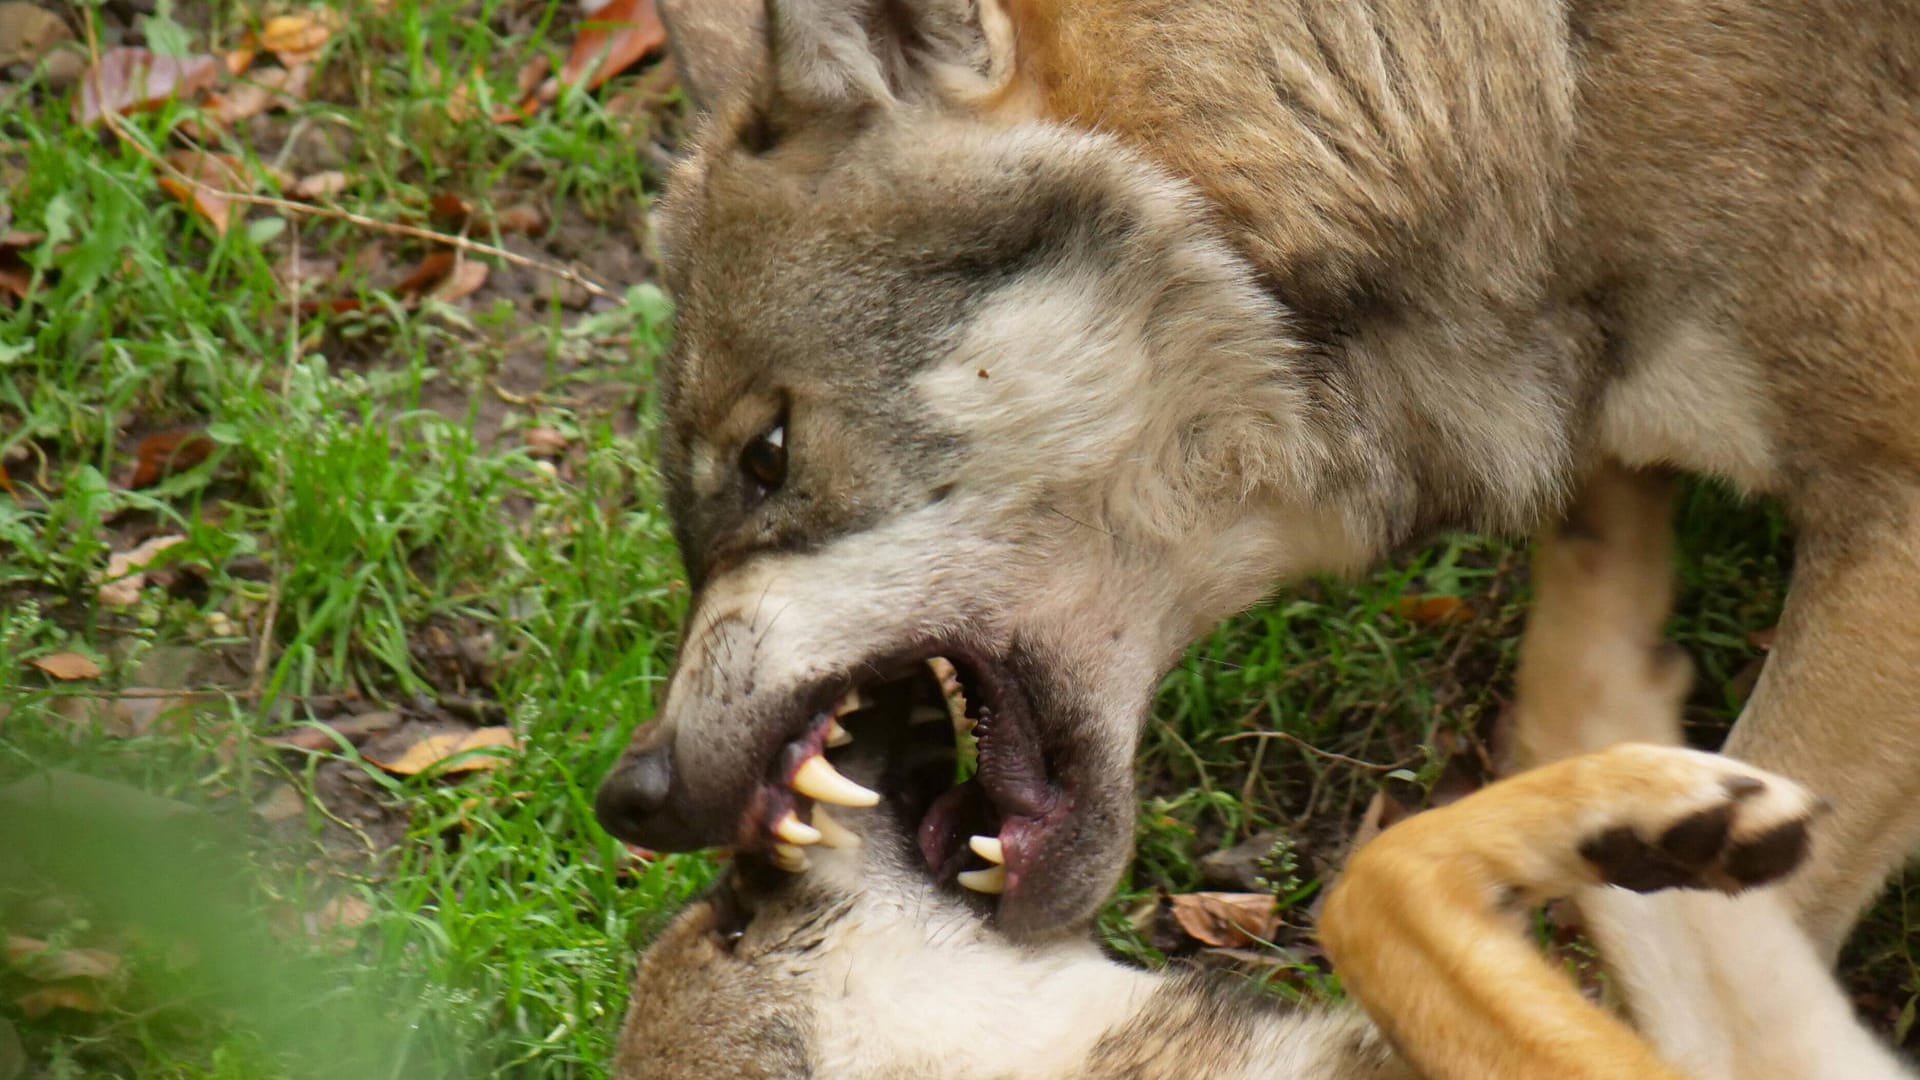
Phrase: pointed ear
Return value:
(718, 45)
(832, 54)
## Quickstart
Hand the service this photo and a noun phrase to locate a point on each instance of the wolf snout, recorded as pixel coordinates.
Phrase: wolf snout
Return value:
(637, 802)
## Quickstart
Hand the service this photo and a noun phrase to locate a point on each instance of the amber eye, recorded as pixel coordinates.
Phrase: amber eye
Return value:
(764, 459)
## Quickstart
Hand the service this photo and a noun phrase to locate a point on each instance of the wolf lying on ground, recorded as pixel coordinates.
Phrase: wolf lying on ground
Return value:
(871, 964)
(1040, 335)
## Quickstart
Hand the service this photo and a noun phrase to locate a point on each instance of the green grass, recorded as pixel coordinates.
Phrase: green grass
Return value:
(372, 489)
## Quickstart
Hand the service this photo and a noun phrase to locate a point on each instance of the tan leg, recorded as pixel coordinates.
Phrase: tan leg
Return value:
(1593, 668)
(1426, 924)
(1838, 706)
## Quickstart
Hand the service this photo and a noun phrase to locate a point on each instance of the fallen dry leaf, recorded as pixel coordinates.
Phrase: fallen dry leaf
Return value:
(67, 666)
(1382, 813)
(46, 999)
(237, 61)
(42, 962)
(210, 179)
(124, 569)
(321, 185)
(431, 271)
(448, 210)
(343, 912)
(281, 88)
(319, 736)
(27, 31)
(1227, 920)
(16, 277)
(432, 751)
(467, 277)
(1433, 610)
(6, 482)
(611, 40)
(135, 712)
(165, 453)
(131, 79)
(298, 39)
(520, 218)
(544, 441)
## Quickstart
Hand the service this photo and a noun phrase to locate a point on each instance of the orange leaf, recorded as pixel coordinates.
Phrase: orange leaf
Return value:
(611, 40)
(128, 79)
(1433, 610)
(432, 269)
(298, 38)
(210, 179)
(161, 455)
(1227, 920)
(46, 999)
(432, 751)
(66, 666)
(6, 483)
(448, 209)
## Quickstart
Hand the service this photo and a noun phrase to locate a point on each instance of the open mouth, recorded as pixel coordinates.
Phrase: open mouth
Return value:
(961, 761)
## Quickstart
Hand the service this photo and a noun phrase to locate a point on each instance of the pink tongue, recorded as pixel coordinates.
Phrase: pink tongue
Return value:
(941, 831)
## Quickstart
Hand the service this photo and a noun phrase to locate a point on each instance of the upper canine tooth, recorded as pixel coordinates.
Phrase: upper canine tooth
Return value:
(818, 780)
(837, 735)
(988, 848)
(991, 880)
(794, 831)
(790, 858)
(852, 701)
(832, 833)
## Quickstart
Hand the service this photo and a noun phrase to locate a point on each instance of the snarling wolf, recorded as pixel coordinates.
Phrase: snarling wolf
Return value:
(1039, 335)
(870, 963)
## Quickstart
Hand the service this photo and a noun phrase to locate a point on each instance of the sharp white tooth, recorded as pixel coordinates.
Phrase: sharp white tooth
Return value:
(988, 848)
(927, 714)
(837, 735)
(789, 858)
(852, 701)
(992, 880)
(818, 780)
(796, 832)
(832, 833)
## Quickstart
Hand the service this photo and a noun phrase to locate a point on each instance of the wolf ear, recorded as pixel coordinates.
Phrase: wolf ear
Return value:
(717, 45)
(836, 54)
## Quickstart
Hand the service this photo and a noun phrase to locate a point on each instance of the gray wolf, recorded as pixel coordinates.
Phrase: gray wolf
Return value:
(1040, 335)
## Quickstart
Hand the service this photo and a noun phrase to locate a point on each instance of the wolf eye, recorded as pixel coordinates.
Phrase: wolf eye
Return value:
(764, 459)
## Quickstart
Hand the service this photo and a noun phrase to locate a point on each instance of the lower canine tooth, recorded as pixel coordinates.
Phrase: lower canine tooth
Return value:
(832, 833)
(837, 735)
(992, 880)
(822, 782)
(789, 858)
(988, 848)
(796, 832)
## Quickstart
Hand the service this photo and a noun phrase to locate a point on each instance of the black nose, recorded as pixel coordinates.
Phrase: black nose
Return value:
(635, 801)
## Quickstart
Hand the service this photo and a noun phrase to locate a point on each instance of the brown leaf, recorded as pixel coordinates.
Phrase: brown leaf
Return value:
(16, 277)
(544, 441)
(611, 40)
(431, 271)
(343, 912)
(1227, 920)
(46, 999)
(321, 185)
(67, 666)
(1383, 812)
(237, 61)
(318, 736)
(432, 751)
(1433, 610)
(42, 962)
(129, 79)
(120, 586)
(27, 31)
(165, 453)
(6, 482)
(467, 276)
(273, 88)
(298, 39)
(136, 712)
(448, 210)
(531, 75)
(520, 218)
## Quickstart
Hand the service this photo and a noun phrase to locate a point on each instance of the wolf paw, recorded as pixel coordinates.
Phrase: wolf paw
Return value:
(1721, 825)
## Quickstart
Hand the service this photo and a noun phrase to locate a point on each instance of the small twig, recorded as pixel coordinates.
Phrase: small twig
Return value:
(1312, 749)
(287, 206)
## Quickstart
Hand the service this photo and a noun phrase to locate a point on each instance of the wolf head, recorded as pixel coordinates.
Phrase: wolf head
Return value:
(954, 380)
